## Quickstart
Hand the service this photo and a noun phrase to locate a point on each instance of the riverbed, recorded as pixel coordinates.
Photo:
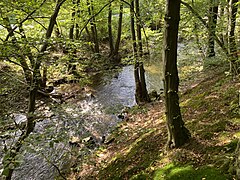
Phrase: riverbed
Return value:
(93, 117)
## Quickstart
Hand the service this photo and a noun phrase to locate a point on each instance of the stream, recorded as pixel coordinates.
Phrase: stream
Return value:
(79, 121)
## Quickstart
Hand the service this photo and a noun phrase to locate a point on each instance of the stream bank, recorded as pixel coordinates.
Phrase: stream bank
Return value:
(92, 118)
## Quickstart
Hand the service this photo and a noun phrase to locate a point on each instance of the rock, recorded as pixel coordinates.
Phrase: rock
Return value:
(74, 141)
(20, 120)
(109, 141)
(89, 142)
(154, 96)
(115, 76)
(120, 116)
(49, 89)
(90, 96)
(103, 139)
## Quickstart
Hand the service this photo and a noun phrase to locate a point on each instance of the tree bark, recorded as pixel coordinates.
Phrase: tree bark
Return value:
(212, 23)
(235, 67)
(77, 25)
(110, 36)
(115, 55)
(71, 30)
(138, 91)
(139, 34)
(93, 26)
(144, 92)
(177, 133)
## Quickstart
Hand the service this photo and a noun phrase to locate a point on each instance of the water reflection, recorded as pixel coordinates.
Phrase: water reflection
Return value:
(93, 117)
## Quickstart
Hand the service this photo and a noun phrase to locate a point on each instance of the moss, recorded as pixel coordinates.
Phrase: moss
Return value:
(141, 176)
(138, 157)
(230, 148)
(174, 172)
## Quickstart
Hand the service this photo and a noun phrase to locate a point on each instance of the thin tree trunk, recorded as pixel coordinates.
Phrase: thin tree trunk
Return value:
(134, 43)
(235, 68)
(115, 55)
(57, 31)
(71, 31)
(195, 13)
(95, 31)
(110, 36)
(89, 38)
(139, 34)
(177, 133)
(221, 14)
(212, 22)
(117, 44)
(138, 91)
(29, 53)
(13, 152)
(21, 57)
(93, 27)
(78, 15)
(144, 93)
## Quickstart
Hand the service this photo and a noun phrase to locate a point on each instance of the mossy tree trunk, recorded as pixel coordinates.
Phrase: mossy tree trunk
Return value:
(177, 132)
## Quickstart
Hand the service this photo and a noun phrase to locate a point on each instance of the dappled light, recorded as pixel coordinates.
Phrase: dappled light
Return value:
(128, 90)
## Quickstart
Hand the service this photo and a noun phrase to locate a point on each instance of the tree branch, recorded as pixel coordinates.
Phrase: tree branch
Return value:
(25, 19)
(85, 25)
(195, 13)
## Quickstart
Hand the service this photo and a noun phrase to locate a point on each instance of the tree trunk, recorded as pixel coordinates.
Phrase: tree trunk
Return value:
(221, 14)
(139, 34)
(13, 152)
(78, 17)
(89, 37)
(235, 68)
(138, 91)
(110, 36)
(71, 31)
(115, 55)
(144, 92)
(21, 57)
(195, 13)
(212, 22)
(177, 133)
(93, 26)
(144, 95)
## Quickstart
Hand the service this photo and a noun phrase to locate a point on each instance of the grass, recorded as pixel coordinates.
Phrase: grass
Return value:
(209, 104)
(174, 172)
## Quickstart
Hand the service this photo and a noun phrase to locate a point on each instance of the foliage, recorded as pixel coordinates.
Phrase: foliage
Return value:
(198, 104)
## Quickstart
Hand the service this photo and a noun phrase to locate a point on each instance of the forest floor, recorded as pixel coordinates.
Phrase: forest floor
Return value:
(210, 108)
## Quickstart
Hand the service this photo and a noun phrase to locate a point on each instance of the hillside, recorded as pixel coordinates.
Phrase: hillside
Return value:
(210, 109)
